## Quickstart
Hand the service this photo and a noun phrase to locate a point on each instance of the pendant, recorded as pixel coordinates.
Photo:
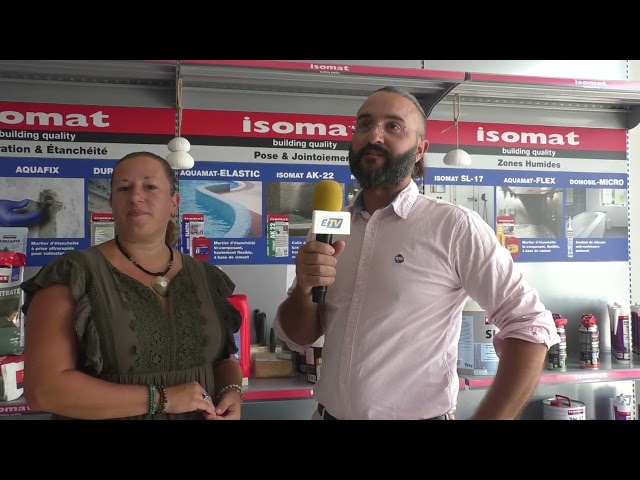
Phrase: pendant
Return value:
(160, 285)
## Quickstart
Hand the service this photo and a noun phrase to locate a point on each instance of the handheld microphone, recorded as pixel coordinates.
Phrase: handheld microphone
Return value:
(328, 219)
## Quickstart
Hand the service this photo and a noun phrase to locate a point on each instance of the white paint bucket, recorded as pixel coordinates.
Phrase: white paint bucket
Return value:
(622, 407)
(476, 355)
(563, 408)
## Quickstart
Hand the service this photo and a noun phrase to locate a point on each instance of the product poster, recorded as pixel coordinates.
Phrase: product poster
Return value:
(550, 193)
(55, 165)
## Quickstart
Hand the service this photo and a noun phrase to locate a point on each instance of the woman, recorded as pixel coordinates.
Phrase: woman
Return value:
(131, 328)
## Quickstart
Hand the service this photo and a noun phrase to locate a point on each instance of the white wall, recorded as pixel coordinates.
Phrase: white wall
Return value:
(588, 69)
(265, 286)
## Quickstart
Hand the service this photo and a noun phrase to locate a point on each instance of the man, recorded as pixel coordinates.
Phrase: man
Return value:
(392, 316)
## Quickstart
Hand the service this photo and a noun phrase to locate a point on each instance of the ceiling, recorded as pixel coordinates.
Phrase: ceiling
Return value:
(621, 98)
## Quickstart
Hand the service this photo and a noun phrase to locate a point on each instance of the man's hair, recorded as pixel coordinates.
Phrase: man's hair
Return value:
(412, 99)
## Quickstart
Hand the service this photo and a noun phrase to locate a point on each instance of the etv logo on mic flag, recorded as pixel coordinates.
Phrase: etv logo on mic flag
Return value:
(332, 222)
(336, 223)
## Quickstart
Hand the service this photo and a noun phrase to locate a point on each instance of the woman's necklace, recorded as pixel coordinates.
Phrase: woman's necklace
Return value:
(160, 284)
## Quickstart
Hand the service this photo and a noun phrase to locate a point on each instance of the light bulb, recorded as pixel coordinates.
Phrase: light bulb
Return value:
(179, 143)
(457, 158)
(180, 159)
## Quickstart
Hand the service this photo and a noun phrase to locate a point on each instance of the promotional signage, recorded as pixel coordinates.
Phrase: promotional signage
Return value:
(55, 165)
(550, 193)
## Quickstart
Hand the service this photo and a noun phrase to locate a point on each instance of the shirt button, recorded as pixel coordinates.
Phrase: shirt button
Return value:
(347, 340)
(371, 226)
(343, 381)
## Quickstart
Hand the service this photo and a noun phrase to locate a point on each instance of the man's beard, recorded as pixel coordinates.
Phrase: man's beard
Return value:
(393, 172)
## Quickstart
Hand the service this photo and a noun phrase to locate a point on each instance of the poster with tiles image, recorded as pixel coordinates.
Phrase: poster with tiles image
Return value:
(552, 193)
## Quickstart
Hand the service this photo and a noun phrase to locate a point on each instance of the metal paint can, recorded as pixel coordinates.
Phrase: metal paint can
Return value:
(557, 354)
(563, 408)
(589, 342)
(622, 407)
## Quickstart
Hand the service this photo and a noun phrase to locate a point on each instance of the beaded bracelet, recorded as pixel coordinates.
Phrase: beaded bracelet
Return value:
(162, 405)
(152, 399)
(227, 389)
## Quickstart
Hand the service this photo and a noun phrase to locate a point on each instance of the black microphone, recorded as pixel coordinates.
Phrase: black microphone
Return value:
(328, 219)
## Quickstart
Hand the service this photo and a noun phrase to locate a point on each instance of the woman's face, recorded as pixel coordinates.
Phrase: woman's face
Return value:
(141, 198)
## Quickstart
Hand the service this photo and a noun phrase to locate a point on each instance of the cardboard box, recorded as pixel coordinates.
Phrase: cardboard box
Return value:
(273, 365)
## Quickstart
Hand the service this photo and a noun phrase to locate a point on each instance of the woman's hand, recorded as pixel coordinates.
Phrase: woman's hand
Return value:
(189, 397)
(228, 407)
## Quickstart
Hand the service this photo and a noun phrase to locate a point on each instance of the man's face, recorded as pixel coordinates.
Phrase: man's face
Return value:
(393, 170)
(385, 145)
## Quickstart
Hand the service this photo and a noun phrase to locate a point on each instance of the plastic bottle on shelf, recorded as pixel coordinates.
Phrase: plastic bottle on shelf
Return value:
(557, 354)
(589, 341)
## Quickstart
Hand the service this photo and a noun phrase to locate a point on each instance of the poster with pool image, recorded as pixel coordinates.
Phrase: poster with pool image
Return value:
(232, 218)
(229, 215)
(231, 208)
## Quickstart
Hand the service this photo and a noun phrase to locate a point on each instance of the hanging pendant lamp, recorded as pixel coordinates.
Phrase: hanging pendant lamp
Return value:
(179, 157)
(457, 157)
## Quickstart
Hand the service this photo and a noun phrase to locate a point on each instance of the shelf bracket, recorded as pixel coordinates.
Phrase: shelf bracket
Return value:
(633, 117)
(428, 101)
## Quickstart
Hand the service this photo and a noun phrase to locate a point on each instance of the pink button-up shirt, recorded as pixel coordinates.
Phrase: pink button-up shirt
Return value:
(392, 319)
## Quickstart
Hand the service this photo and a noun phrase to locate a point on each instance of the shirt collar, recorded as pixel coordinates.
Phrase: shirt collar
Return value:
(401, 204)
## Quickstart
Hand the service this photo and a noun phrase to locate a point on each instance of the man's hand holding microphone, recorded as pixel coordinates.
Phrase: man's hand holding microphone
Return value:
(316, 265)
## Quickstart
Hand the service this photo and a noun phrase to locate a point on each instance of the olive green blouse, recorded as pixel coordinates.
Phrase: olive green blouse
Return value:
(125, 336)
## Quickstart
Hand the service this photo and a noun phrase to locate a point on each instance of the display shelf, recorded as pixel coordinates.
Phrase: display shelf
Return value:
(16, 407)
(610, 370)
(258, 389)
(588, 96)
(286, 388)
(134, 72)
(278, 388)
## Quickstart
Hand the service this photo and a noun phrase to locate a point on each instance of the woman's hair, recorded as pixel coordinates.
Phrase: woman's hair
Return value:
(173, 230)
